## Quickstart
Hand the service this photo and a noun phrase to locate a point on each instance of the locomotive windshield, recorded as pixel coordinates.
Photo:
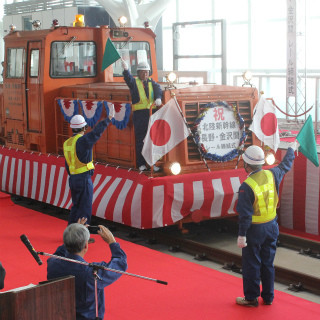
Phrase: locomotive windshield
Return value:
(15, 62)
(73, 59)
(132, 53)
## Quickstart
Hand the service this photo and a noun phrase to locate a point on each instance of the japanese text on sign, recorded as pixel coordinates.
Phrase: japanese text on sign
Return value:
(291, 48)
(219, 131)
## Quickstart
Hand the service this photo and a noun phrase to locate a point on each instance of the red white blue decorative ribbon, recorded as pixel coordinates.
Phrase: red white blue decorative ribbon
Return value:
(91, 111)
(68, 108)
(121, 113)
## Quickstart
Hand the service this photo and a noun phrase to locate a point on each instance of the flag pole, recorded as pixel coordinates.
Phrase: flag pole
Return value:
(150, 114)
(189, 130)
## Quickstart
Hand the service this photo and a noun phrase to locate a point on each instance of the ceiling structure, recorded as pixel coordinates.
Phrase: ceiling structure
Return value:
(138, 12)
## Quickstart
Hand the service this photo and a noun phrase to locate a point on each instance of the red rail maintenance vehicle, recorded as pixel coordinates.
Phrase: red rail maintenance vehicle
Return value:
(51, 73)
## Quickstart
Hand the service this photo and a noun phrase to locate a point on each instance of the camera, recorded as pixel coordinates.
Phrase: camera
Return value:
(93, 229)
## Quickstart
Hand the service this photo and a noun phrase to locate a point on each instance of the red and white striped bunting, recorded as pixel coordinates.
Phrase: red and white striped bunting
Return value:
(124, 196)
(135, 200)
(300, 192)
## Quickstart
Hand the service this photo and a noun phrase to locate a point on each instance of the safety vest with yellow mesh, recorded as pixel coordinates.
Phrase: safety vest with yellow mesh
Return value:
(70, 154)
(144, 102)
(266, 196)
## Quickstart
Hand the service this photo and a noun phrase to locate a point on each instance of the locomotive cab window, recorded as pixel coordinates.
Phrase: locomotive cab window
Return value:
(73, 60)
(34, 63)
(132, 53)
(15, 62)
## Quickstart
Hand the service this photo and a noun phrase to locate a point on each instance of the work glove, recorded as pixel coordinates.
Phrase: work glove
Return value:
(124, 64)
(158, 102)
(242, 242)
(111, 110)
(294, 145)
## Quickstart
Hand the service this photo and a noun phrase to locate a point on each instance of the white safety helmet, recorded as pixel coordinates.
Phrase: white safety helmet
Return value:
(143, 66)
(77, 122)
(253, 155)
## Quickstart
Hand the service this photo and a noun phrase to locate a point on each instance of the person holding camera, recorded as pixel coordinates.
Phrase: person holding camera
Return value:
(75, 239)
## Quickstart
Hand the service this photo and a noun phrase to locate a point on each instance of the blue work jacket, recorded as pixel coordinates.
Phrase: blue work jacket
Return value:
(84, 278)
(246, 196)
(131, 83)
(85, 144)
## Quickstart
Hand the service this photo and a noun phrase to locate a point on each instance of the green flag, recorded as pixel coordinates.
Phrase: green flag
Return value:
(110, 55)
(307, 141)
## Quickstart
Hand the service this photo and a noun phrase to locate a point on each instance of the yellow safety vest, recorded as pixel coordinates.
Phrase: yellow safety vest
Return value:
(266, 196)
(70, 154)
(144, 102)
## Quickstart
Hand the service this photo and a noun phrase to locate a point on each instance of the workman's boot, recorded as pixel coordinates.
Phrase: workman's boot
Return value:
(247, 303)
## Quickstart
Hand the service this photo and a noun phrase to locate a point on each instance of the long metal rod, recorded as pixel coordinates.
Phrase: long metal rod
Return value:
(92, 265)
(190, 132)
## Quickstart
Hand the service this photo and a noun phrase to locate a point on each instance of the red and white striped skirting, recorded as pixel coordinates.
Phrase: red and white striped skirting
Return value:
(121, 195)
(133, 199)
(299, 201)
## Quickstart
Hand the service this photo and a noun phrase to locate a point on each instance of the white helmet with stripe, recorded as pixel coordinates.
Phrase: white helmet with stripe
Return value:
(253, 155)
(77, 122)
(143, 66)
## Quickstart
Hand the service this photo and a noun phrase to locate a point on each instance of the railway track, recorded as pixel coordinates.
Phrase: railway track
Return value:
(232, 261)
(191, 242)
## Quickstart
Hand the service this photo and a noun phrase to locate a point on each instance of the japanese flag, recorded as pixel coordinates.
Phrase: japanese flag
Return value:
(166, 129)
(265, 124)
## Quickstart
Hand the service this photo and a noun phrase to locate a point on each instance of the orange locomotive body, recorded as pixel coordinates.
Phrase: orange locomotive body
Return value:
(43, 66)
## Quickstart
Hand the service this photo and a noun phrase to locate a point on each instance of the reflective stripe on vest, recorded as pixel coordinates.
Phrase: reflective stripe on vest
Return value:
(70, 154)
(266, 197)
(144, 102)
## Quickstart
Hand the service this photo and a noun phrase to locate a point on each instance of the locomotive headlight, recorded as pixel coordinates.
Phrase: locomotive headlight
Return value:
(36, 24)
(123, 20)
(172, 77)
(247, 77)
(12, 28)
(270, 159)
(175, 168)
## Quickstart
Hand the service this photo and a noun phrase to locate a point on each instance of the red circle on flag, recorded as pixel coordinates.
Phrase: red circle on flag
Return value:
(160, 132)
(269, 124)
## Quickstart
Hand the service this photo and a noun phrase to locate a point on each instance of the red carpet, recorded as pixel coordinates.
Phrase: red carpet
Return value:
(193, 292)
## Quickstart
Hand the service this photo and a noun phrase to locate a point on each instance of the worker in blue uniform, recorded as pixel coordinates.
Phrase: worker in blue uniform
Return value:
(258, 227)
(145, 94)
(75, 239)
(79, 164)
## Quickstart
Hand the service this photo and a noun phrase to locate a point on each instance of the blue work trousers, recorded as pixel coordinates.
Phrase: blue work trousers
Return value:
(140, 123)
(257, 260)
(81, 188)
